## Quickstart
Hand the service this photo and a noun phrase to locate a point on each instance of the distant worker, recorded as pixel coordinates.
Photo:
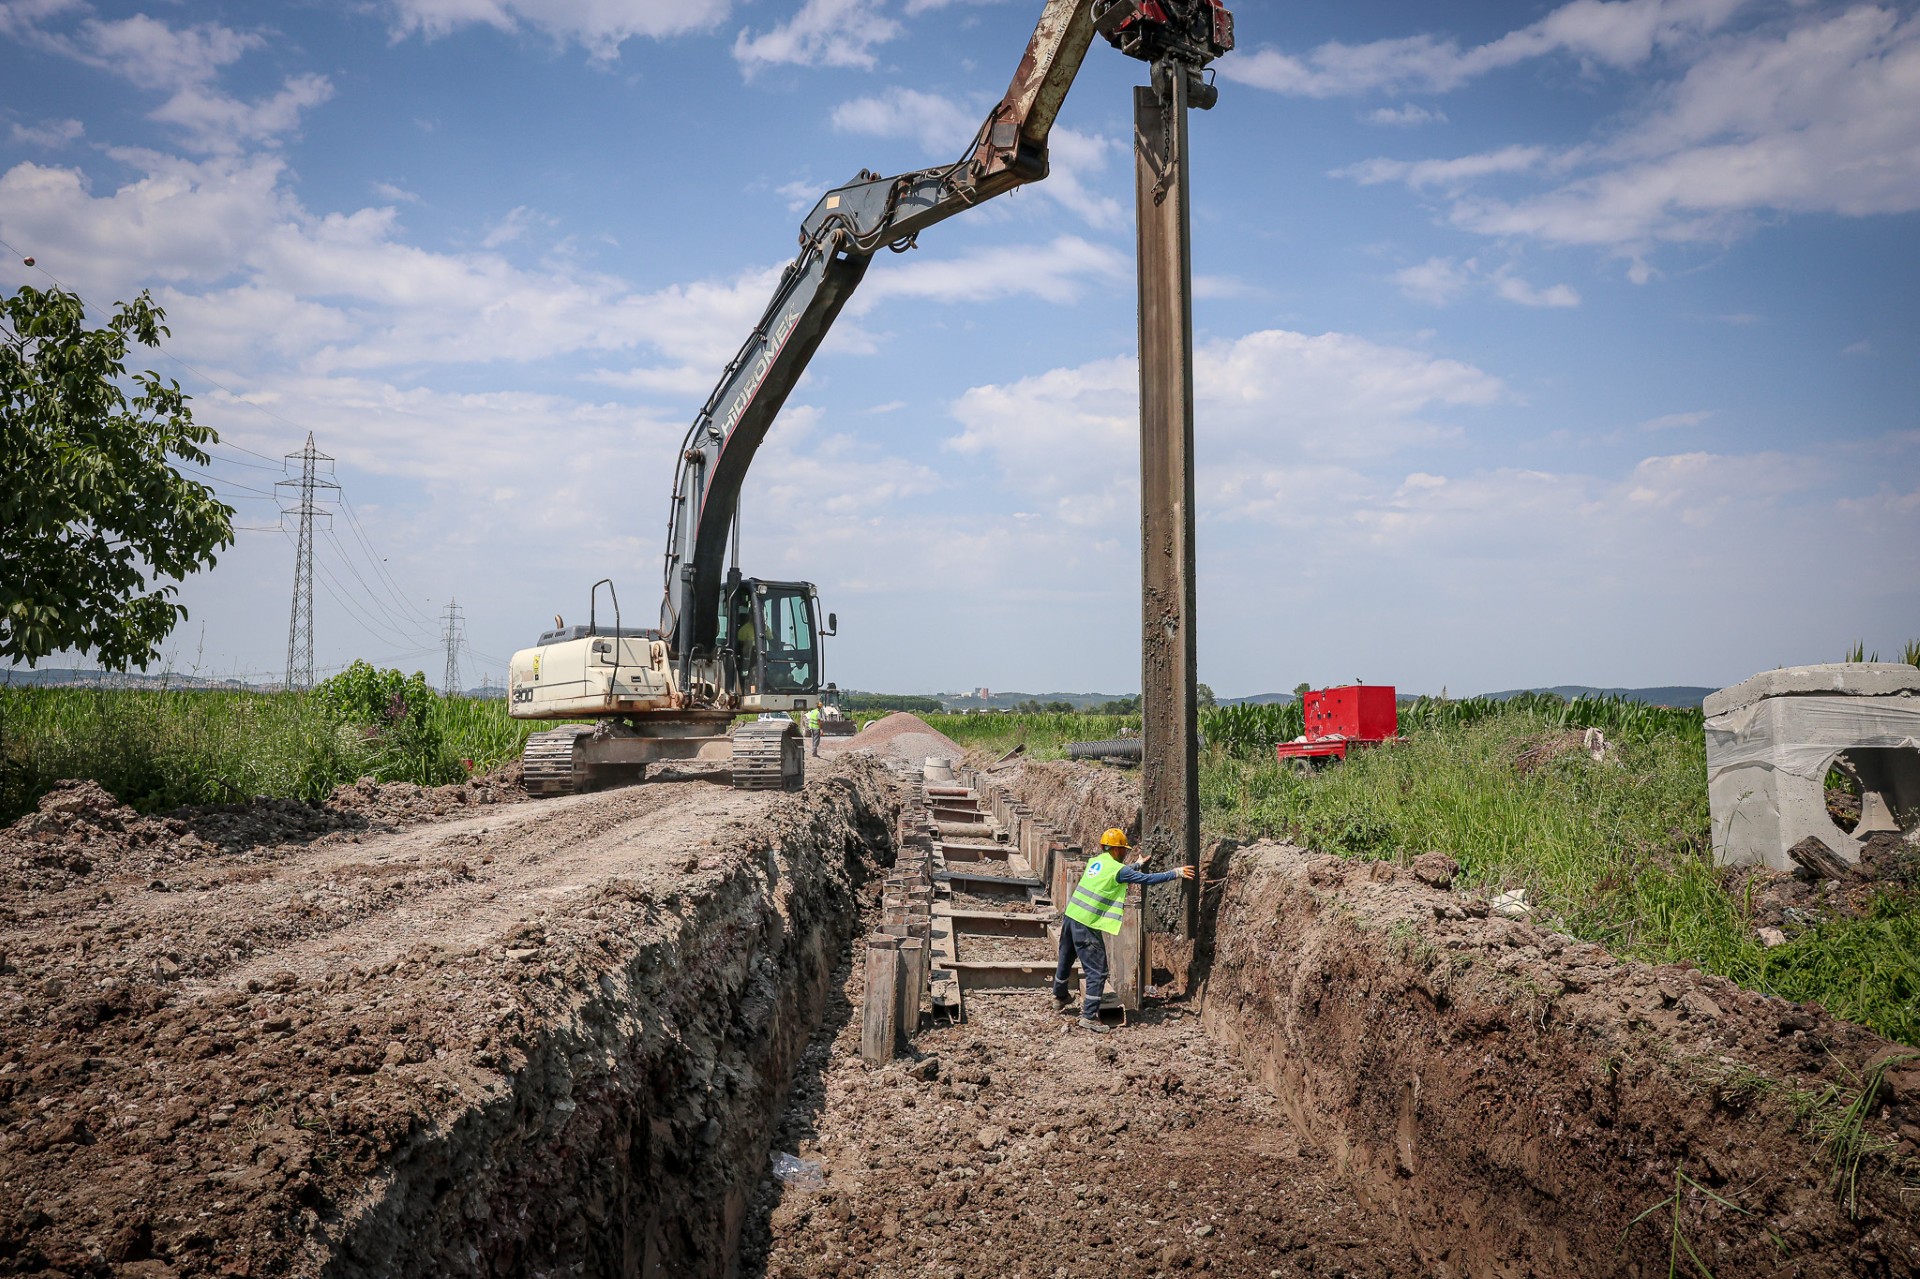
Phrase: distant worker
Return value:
(813, 730)
(1098, 901)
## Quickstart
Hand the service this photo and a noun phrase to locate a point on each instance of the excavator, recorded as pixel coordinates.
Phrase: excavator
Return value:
(728, 645)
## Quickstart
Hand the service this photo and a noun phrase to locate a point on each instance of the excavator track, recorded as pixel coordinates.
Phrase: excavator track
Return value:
(547, 762)
(768, 756)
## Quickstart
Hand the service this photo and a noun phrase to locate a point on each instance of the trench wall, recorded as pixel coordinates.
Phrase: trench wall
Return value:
(1511, 1099)
(632, 1128)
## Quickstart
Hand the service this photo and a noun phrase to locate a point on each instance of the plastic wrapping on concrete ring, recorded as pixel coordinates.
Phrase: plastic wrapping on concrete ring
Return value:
(792, 1170)
(1801, 735)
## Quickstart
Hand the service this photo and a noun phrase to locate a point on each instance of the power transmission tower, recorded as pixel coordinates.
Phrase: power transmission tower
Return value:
(300, 625)
(454, 639)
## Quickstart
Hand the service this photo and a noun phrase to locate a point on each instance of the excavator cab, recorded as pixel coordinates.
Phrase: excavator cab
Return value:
(773, 634)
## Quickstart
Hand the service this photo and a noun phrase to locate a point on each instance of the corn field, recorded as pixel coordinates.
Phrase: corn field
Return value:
(1250, 731)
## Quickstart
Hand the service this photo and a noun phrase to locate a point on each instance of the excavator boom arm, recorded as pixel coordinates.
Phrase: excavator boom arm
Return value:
(837, 241)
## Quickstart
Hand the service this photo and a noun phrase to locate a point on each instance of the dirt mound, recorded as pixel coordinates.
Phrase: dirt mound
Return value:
(400, 803)
(1454, 1058)
(81, 830)
(900, 738)
(274, 1061)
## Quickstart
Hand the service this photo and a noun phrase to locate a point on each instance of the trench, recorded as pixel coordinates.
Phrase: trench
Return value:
(628, 1137)
(1350, 1072)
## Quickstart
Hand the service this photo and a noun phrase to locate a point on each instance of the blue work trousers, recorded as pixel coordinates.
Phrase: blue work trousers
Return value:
(1089, 945)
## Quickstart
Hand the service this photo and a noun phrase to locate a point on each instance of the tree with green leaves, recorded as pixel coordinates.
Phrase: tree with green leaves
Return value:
(97, 523)
(1203, 697)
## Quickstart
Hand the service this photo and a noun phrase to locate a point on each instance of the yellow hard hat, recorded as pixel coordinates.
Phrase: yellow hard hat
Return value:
(1114, 838)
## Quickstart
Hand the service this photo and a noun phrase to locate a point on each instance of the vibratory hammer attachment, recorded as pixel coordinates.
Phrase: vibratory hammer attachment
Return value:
(1189, 33)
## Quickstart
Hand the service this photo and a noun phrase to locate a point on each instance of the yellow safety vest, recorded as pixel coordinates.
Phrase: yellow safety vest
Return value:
(1099, 898)
(813, 720)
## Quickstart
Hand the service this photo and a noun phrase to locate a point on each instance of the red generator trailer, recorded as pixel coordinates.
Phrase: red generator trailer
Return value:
(1338, 719)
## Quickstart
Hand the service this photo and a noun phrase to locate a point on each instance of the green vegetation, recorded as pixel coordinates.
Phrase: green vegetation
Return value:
(1614, 851)
(91, 504)
(1684, 1189)
(883, 702)
(1044, 732)
(157, 750)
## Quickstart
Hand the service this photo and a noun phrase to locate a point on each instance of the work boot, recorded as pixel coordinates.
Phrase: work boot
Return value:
(1088, 1023)
(1066, 1007)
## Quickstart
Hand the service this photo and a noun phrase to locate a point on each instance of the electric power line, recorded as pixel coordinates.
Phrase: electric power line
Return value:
(399, 623)
(380, 564)
(337, 591)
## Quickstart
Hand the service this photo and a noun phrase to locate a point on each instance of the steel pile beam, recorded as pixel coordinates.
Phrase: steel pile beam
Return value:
(1170, 765)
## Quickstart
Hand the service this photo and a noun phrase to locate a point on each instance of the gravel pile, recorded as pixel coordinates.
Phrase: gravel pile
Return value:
(900, 737)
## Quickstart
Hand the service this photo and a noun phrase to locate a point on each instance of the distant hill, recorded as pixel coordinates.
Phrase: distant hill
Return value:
(75, 677)
(1666, 695)
(1006, 701)
(1258, 699)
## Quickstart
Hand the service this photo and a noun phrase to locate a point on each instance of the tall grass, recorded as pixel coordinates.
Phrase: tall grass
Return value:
(160, 749)
(1044, 733)
(1616, 851)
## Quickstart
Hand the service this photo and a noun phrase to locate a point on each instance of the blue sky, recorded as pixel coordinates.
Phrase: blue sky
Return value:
(1537, 344)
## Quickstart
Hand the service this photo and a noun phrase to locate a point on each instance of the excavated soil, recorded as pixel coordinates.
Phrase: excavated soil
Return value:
(545, 1037)
(1516, 1099)
(1508, 1101)
(1012, 1146)
(457, 1032)
(899, 738)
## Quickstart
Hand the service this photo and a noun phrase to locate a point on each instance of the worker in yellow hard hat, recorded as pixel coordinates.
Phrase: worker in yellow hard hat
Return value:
(1093, 910)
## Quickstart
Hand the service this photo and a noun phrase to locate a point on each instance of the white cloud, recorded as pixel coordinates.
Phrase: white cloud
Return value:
(1613, 33)
(940, 125)
(1862, 347)
(1266, 406)
(1421, 174)
(235, 244)
(50, 134)
(943, 128)
(391, 191)
(1058, 271)
(1820, 117)
(1674, 421)
(1405, 115)
(214, 121)
(512, 227)
(599, 26)
(1076, 161)
(1514, 289)
(1437, 280)
(801, 195)
(1310, 441)
(182, 62)
(1442, 280)
(824, 33)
